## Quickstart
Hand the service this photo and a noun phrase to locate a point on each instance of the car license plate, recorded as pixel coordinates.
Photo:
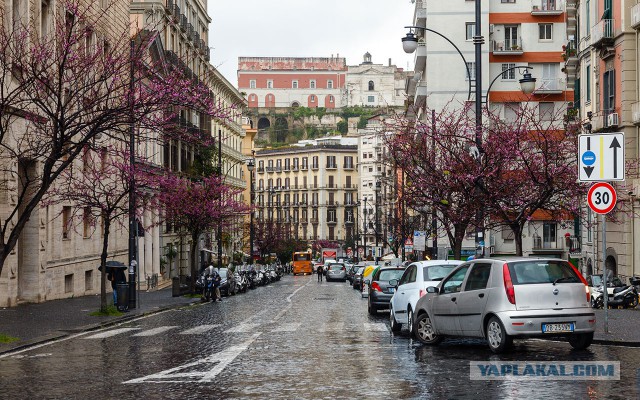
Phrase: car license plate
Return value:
(391, 290)
(557, 328)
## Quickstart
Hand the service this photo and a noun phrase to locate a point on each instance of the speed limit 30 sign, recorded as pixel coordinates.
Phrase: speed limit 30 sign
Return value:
(602, 198)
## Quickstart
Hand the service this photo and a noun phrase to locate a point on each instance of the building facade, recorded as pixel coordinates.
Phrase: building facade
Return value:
(517, 34)
(312, 188)
(602, 65)
(375, 85)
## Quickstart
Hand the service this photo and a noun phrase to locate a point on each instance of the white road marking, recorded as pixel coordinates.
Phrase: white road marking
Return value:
(200, 329)
(375, 327)
(218, 362)
(333, 326)
(243, 328)
(110, 333)
(155, 331)
(289, 327)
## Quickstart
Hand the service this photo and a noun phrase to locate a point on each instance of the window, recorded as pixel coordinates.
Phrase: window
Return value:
(545, 109)
(348, 163)
(331, 162)
(609, 91)
(470, 28)
(270, 84)
(294, 84)
(508, 75)
(454, 283)
(587, 85)
(331, 215)
(371, 99)
(471, 71)
(45, 15)
(330, 99)
(511, 40)
(478, 277)
(545, 31)
(86, 222)
(312, 98)
(511, 111)
(329, 84)
(252, 84)
(371, 86)
(312, 84)
(66, 222)
(549, 235)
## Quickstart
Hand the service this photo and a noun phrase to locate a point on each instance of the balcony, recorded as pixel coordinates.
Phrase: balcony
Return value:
(260, 169)
(332, 166)
(602, 33)
(183, 22)
(507, 47)
(550, 86)
(635, 113)
(421, 57)
(315, 166)
(332, 186)
(421, 94)
(304, 167)
(546, 7)
(348, 166)
(635, 16)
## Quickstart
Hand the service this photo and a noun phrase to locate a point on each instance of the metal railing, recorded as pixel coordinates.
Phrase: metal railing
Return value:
(507, 45)
(602, 30)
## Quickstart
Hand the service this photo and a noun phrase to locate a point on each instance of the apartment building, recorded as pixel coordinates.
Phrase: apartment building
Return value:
(311, 188)
(376, 85)
(516, 34)
(602, 65)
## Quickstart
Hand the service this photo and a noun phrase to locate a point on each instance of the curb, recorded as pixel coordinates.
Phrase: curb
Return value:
(89, 328)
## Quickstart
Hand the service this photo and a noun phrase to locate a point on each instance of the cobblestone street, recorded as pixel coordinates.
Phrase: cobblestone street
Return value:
(296, 338)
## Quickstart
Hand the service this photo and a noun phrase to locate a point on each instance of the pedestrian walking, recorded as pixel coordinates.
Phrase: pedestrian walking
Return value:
(216, 284)
(320, 272)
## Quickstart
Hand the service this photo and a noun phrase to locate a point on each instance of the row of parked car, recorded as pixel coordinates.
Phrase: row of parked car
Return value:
(497, 299)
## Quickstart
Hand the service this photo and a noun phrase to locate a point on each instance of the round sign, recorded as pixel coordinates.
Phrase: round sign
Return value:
(602, 198)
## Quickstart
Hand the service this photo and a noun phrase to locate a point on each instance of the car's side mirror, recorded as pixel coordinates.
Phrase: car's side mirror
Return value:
(367, 281)
(394, 283)
(432, 289)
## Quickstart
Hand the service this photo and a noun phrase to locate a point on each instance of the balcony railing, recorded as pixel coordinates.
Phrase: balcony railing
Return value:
(550, 85)
(332, 166)
(602, 32)
(507, 46)
(635, 16)
(635, 113)
(546, 7)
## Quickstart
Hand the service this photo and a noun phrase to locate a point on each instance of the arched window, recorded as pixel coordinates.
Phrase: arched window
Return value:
(371, 85)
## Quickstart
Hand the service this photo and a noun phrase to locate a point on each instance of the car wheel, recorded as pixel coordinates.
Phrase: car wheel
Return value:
(497, 337)
(581, 341)
(424, 332)
(371, 308)
(395, 326)
(410, 322)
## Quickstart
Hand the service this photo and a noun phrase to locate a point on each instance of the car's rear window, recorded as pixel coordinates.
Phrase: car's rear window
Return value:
(436, 272)
(360, 270)
(389, 274)
(336, 267)
(532, 272)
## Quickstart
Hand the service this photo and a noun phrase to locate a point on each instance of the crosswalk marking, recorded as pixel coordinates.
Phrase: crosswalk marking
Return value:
(243, 328)
(155, 331)
(110, 333)
(199, 329)
(375, 327)
(333, 326)
(288, 327)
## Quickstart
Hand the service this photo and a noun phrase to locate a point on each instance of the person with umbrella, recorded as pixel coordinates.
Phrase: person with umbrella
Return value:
(115, 274)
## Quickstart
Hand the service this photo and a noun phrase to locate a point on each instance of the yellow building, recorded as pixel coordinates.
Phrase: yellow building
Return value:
(309, 189)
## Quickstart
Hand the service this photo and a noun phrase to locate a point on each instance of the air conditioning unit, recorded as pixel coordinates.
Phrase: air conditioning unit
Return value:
(612, 119)
(491, 28)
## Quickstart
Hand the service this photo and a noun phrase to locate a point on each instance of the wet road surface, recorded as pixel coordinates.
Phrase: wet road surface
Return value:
(293, 339)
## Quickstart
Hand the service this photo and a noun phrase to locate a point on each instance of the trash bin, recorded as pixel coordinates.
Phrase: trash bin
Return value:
(122, 291)
(175, 286)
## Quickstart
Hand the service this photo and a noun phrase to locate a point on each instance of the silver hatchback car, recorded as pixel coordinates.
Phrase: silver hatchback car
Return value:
(499, 299)
(336, 272)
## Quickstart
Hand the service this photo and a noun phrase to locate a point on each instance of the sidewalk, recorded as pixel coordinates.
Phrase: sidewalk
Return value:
(42, 322)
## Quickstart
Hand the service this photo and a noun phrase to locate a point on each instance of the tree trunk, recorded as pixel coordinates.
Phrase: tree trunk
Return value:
(458, 236)
(103, 264)
(517, 235)
(194, 260)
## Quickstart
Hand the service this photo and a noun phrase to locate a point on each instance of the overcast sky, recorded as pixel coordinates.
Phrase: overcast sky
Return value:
(308, 28)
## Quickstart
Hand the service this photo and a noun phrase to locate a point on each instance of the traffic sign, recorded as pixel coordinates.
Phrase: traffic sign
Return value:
(601, 157)
(602, 198)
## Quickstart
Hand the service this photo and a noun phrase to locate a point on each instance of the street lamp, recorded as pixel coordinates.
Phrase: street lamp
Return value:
(378, 186)
(364, 228)
(250, 166)
(356, 235)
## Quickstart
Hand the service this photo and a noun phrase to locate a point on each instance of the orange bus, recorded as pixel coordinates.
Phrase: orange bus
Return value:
(302, 263)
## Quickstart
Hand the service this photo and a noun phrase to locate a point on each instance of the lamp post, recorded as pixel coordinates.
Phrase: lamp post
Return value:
(250, 166)
(356, 235)
(133, 224)
(219, 233)
(364, 228)
(378, 185)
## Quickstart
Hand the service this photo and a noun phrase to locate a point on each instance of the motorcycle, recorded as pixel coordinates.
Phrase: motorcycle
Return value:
(207, 291)
(626, 296)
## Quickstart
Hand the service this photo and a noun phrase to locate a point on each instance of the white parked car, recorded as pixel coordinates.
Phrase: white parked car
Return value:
(414, 283)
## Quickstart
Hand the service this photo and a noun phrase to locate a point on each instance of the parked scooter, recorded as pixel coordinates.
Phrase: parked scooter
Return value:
(626, 296)
(207, 291)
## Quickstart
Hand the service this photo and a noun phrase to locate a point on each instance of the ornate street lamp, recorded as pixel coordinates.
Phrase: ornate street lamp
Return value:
(250, 167)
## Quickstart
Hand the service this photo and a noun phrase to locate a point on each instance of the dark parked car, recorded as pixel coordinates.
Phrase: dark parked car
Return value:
(228, 286)
(380, 291)
(357, 278)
